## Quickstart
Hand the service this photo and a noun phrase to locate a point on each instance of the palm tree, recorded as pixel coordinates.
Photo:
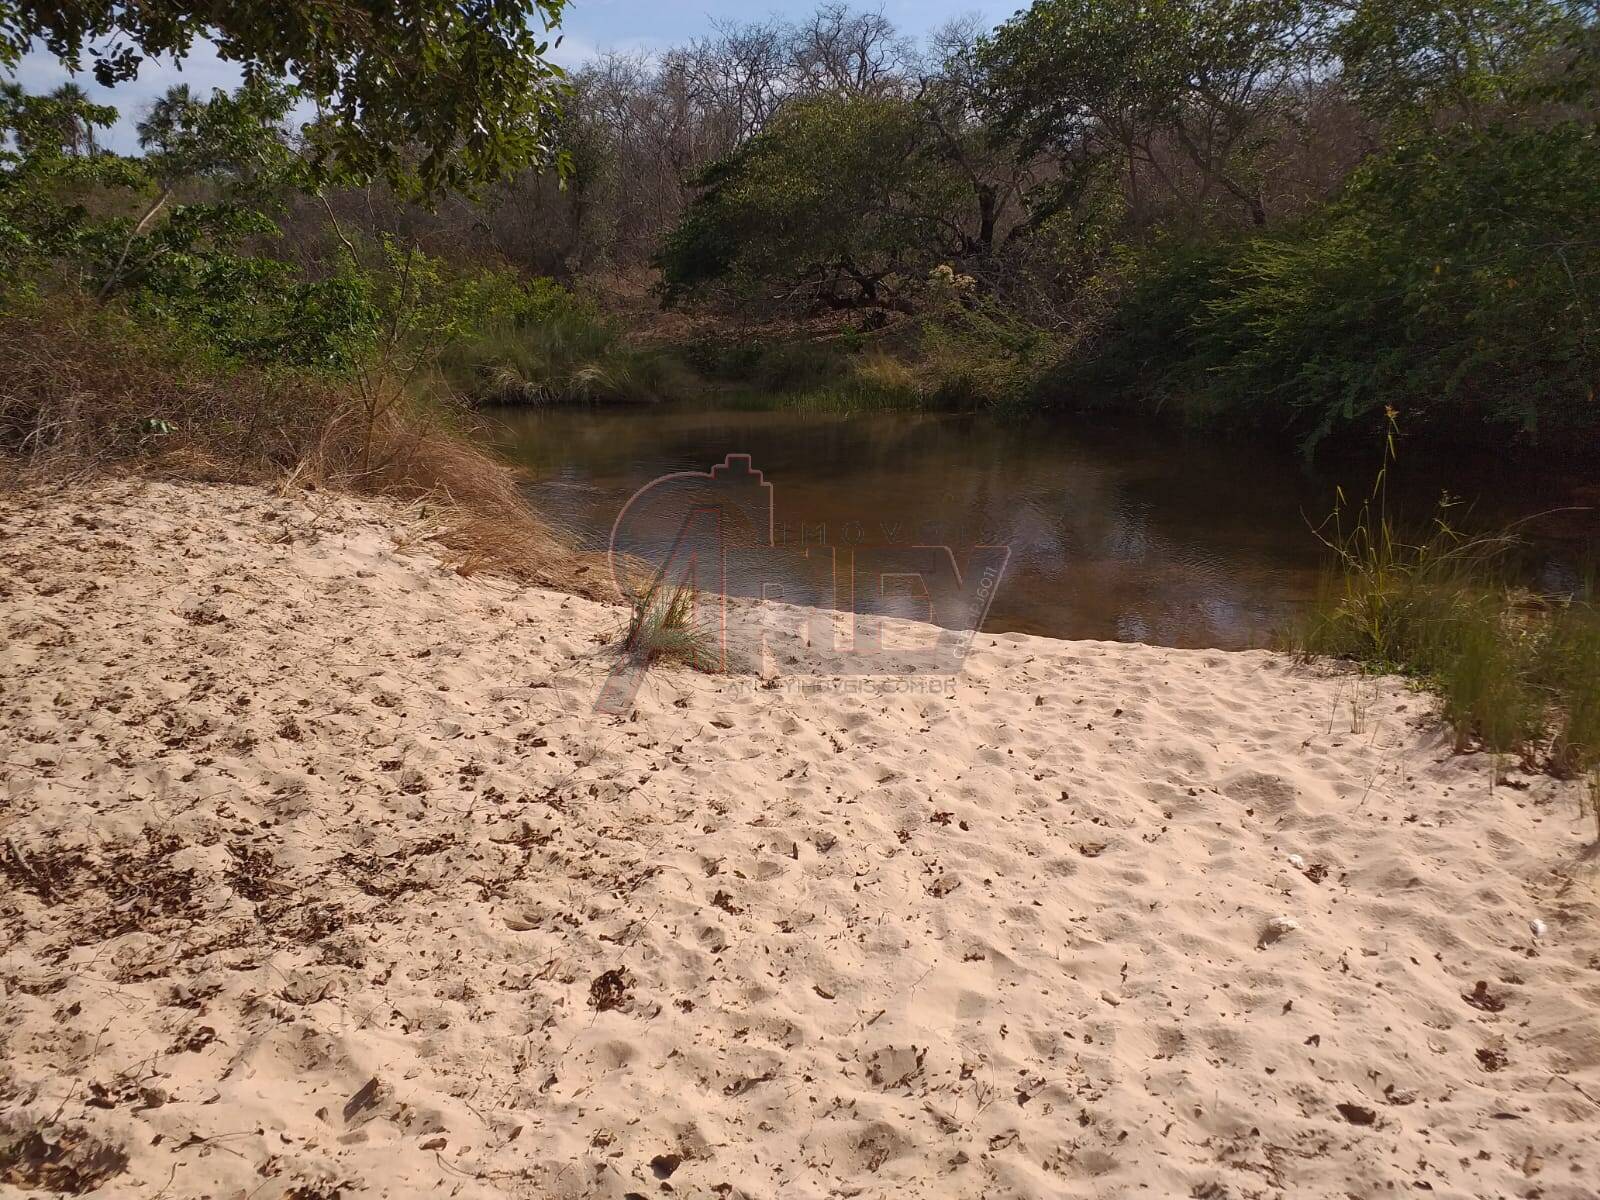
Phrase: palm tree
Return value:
(77, 132)
(165, 117)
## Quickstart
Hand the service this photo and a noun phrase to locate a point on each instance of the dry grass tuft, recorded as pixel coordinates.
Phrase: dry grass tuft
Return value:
(84, 391)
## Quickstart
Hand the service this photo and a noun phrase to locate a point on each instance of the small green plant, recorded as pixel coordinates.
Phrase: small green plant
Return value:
(665, 627)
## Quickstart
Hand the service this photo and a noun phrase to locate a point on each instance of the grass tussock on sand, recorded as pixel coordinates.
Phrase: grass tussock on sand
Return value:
(84, 392)
(665, 627)
(1517, 673)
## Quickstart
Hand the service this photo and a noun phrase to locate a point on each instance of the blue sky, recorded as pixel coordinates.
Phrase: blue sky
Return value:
(653, 24)
(590, 26)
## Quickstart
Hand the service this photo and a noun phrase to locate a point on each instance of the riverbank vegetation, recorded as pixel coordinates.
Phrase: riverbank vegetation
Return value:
(159, 315)
(1262, 214)
(1273, 215)
(1518, 673)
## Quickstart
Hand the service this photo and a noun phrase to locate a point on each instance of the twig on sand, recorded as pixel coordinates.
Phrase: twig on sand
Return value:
(22, 862)
(1578, 1087)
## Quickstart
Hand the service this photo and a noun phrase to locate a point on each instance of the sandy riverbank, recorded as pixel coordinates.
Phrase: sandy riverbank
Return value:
(320, 878)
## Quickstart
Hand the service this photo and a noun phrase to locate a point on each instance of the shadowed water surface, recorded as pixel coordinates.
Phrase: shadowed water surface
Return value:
(1114, 534)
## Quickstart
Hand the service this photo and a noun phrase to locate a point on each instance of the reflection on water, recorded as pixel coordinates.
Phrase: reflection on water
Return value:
(1114, 534)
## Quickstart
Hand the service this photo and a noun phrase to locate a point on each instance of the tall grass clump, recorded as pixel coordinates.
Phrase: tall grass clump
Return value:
(1516, 673)
(984, 357)
(967, 362)
(843, 373)
(871, 382)
(550, 346)
(665, 627)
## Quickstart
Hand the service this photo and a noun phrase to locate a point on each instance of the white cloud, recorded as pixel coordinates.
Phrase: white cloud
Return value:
(575, 49)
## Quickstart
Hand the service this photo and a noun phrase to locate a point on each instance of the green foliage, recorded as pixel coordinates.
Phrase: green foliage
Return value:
(838, 382)
(836, 192)
(703, 248)
(1412, 58)
(435, 94)
(1097, 78)
(1574, 76)
(964, 358)
(1457, 279)
(1454, 273)
(178, 236)
(44, 171)
(61, 124)
(844, 373)
(535, 342)
(1149, 353)
(771, 366)
(985, 355)
(115, 225)
(1061, 70)
(259, 310)
(112, 224)
(1569, 663)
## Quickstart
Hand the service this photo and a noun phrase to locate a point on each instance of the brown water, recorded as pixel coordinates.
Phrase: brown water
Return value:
(1114, 534)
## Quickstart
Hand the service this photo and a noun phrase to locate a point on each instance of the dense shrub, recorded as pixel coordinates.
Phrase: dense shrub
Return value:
(259, 310)
(1457, 279)
(833, 200)
(536, 342)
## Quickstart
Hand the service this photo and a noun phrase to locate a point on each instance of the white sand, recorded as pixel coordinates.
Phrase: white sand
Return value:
(286, 811)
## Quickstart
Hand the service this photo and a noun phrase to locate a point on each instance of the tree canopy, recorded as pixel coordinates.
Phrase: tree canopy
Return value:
(1415, 57)
(1101, 77)
(836, 192)
(439, 92)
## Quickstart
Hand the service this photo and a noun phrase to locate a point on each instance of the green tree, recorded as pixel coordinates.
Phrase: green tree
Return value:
(236, 145)
(1456, 278)
(436, 92)
(950, 100)
(1425, 60)
(115, 226)
(1091, 79)
(42, 178)
(840, 196)
(77, 133)
(158, 128)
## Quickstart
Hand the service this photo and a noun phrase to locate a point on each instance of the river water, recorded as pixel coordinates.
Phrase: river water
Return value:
(1119, 534)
